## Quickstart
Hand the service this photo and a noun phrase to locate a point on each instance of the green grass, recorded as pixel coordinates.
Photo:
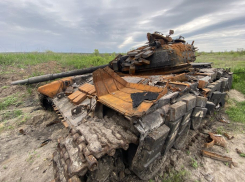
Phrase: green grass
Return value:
(220, 130)
(194, 163)
(12, 114)
(24, 119)
(71, 60)
(239, 79)
(236, 111)
(4, 87)
(7, 101)
(176, 176)
(32, 156)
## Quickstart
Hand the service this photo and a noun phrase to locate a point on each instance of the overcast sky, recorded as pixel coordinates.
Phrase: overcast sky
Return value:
(118, 26)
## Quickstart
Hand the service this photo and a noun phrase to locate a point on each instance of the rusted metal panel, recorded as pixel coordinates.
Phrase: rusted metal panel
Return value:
(87, 88)
(122, 95)
(120, 99)
(53, 88)
(206, 92)
(203, 82)
(74, 95)
(115, 76)
(179, 78)
(130, 90)
(99, 85)
(81, 97)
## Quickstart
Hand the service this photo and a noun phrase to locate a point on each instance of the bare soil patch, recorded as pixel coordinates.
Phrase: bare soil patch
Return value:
(236, 95)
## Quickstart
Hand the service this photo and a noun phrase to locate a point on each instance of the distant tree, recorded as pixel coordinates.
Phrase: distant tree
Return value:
(96, 52)
(49, 51)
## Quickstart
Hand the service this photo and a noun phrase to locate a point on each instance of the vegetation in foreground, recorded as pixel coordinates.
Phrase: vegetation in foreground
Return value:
(236, 111)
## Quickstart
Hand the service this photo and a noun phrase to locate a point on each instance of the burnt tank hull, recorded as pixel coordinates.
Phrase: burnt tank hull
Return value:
(125, 117)
(102, 131)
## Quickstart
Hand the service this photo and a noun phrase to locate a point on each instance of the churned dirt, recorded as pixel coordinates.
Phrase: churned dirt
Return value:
(22, 158)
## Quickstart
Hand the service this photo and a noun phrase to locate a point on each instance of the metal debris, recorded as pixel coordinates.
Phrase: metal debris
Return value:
(218, 157)
(222, 120)
(228, 137)
(45, 142)
(216, 140)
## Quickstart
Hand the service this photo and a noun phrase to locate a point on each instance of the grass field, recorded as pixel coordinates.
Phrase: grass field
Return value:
(70, 61)
(233, 60)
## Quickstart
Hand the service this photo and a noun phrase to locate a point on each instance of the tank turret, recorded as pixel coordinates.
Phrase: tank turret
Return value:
(161, 54)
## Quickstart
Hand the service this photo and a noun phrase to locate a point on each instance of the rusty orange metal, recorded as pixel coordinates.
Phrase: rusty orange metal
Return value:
(217, 157)
(228, 137)
(77, 97)
(209, 145)
(174, 89)
(205, 92)
(115, 92)
(55, 87)
(202, 84)
(87, 88)
(203, 74)
(65, 123)
(179, 78)
(74, 95)
(81, 97)
(218, 140)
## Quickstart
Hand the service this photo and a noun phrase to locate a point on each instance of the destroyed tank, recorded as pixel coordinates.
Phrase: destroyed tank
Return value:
(128, 114)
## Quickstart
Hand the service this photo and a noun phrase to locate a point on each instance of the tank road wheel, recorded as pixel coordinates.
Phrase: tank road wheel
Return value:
(181, 137)
(109, 168)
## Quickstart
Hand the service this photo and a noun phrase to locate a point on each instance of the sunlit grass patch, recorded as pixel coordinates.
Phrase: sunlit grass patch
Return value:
(237, 112)
(239, 79)
(176, 176)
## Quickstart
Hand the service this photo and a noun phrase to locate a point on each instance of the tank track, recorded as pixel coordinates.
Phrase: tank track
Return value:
(78, 152)
(93, 143)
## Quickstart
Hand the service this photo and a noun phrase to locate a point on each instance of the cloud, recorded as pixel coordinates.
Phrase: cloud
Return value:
(117, 26)
(128, 41)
